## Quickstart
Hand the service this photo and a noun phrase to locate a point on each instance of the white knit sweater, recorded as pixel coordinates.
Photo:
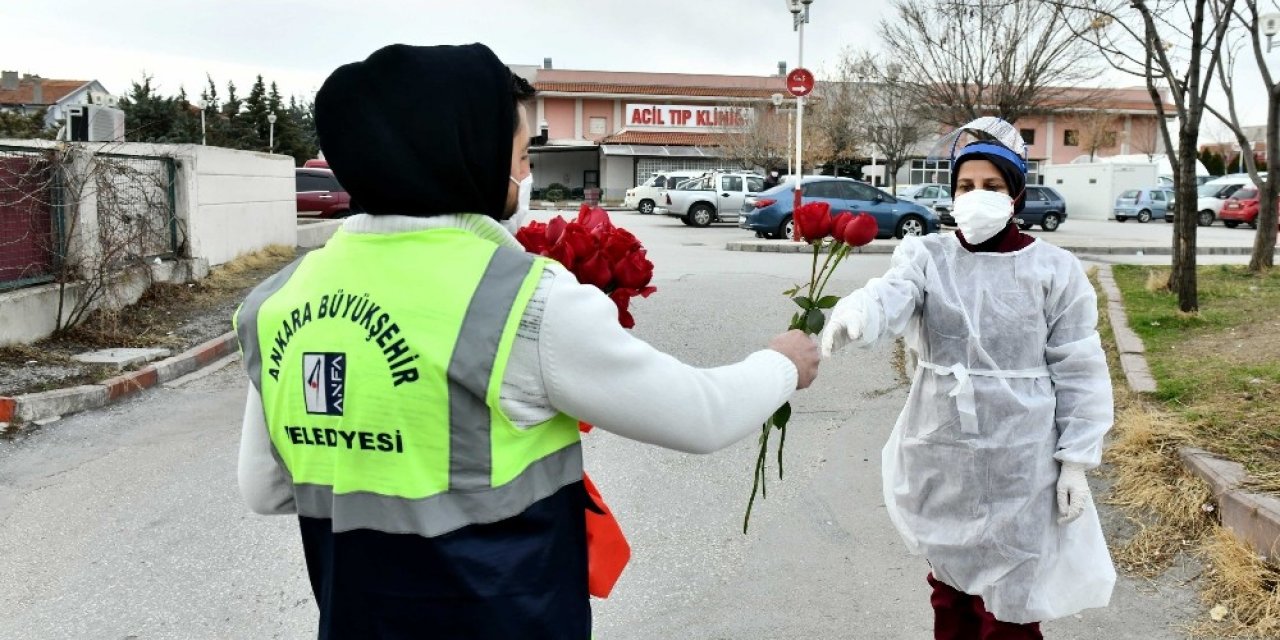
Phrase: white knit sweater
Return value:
(572, 356)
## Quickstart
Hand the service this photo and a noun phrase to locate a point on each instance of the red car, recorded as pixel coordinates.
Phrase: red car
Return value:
(320, 195)
(1242, 207)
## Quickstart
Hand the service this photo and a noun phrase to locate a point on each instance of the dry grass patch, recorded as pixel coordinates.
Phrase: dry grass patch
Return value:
(1241, 589)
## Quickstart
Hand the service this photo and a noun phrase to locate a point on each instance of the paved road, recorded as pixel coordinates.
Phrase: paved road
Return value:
(125, 523)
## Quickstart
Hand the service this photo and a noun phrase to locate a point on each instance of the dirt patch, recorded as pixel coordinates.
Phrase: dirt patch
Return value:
(172, 316)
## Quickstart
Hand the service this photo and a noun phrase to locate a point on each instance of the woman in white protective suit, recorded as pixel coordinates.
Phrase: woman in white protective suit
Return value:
(984, 473)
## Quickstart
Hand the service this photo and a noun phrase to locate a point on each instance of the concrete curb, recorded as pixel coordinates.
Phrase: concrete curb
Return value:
(34, 407)
(1254, 517)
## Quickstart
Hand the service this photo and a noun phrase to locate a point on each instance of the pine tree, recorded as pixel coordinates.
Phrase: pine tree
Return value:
(240, 133)
(24, 127)
(255, 114)
(149, 117)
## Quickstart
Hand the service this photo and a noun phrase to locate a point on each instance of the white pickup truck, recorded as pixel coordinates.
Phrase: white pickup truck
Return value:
(716, 197)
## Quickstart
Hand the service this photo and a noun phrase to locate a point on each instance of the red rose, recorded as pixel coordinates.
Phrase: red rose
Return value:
(533, 237)
(634, 271)
(555, 229)
(838, 225)
(594, 271)
(583, 244)
(813, 221)
(594, 219)
(861, 230)
(562, 253)
(622, 298)
(618, 244)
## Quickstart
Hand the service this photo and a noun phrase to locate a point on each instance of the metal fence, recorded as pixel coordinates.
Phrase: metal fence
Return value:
(29, 230)
(124, 205)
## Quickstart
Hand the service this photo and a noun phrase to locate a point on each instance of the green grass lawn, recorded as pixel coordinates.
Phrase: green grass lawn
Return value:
(1219, 369)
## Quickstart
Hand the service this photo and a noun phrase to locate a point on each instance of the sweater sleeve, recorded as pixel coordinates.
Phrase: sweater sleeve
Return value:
(264, 483)
(598, 372)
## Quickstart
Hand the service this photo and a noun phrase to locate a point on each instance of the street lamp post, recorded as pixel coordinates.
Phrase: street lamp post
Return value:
(203, 106)
(799, 17)
(271, 138)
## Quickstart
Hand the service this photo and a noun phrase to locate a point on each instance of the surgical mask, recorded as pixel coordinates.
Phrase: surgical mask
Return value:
(981, 214)
(517, 219)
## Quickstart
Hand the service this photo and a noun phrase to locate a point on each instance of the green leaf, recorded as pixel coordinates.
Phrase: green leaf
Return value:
(826, 302)
(782, 415)
(792, 291)
(804, 301)
(797, 321)
(814, 320)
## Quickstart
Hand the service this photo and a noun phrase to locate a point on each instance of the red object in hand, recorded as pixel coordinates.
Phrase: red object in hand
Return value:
(860, 230)
(597, 253)
(813, 221)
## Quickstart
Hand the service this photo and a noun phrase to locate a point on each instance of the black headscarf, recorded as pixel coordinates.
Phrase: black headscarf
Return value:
(420, 131)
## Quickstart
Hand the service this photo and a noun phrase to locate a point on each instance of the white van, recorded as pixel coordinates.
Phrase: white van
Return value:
(1214, 193)
(644, 197)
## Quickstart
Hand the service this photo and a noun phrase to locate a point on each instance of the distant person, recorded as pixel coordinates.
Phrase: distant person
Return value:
(984, 473)
(771, 180)
(417, 383)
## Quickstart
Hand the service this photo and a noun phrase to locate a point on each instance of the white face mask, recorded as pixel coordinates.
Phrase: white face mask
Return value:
(518, 218)
(981, 214)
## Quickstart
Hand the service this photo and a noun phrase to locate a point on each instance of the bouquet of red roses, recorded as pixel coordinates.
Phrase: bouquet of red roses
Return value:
(837, 236)
(597, 252)
(612, 259)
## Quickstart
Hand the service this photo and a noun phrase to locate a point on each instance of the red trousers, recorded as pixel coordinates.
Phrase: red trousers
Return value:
(960, 616)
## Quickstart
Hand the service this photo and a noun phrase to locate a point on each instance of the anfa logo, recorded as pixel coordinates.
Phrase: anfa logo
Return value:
(324, 382)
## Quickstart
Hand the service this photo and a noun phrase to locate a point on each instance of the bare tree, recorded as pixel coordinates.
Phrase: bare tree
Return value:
(1247, 35)
(1145, 139)
(1173, 44)
(761, 143)
(1098, 131)
(889, 118)
(963, 59)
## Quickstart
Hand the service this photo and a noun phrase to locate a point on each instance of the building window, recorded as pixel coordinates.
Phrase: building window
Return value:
(1107, 140)
(1071, 138)
(597, 126)
(924, 171)
(1028, 136)
(1033, 172)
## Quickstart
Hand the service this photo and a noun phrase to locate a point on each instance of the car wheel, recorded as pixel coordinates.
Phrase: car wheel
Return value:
(1121, 218)
(1230, 224)
(785, 230)
(1254, 224)
(1205, 218)
(760, 234)
(701, 215)
(646, 207)
(686, 220)
(1050, 222)
(909, 226)
(1144, 216)
(1025, 225)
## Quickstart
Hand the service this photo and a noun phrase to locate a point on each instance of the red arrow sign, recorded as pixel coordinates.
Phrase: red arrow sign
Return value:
(800, 82)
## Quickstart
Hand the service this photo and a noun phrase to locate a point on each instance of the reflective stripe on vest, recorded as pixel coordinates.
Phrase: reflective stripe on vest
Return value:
(357, 404)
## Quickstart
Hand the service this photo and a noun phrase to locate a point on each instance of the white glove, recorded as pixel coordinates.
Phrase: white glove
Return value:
(1073, 492)
(845, 325)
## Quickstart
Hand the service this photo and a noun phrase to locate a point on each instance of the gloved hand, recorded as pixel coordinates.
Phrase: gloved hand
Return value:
(1073, 492)
(844, 326)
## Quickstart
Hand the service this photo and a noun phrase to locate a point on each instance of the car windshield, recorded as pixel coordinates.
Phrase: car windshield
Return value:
(1208, 190)
(1246, 194)
(1131, 194)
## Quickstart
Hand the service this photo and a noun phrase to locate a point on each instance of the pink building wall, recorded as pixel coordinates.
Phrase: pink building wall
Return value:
(558, 112)
(597, 109)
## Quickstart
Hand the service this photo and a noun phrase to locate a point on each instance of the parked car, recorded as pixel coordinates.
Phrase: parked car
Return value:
(1143, 205)
(645, 197)
(1212, 195)
(716, 197)
(933, 196)
(1242, 208)
(1044, 207)
(769, 214)
(316, 163)
(320, 195)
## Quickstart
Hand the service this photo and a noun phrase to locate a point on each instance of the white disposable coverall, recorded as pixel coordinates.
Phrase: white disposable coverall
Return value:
(1011, 380)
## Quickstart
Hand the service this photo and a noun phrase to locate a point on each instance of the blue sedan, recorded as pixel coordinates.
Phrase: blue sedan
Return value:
(769, 213)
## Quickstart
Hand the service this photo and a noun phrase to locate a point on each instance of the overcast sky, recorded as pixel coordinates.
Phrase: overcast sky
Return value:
(297, 42)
